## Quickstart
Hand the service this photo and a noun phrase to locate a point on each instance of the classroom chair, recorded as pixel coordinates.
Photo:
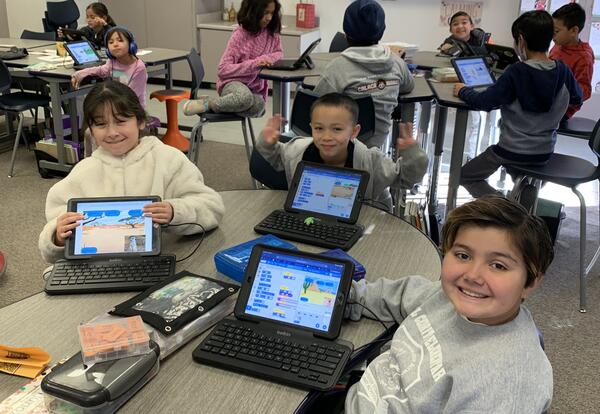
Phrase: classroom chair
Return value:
(568, 171)
(264, 173)
(15, 103)
(339, 43)
(195, 62)
(60, 14)
(577, 127)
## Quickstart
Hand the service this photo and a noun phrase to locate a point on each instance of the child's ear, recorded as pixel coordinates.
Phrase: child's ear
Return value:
(530, 289)
(142, 125)
(355, 131)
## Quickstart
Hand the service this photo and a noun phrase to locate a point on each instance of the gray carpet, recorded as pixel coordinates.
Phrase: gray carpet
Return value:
(571, 338)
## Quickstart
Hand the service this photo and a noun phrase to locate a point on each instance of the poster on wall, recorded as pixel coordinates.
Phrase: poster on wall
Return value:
(449, 7)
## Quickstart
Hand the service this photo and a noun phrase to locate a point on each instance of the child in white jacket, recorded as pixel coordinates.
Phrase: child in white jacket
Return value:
(127, 165)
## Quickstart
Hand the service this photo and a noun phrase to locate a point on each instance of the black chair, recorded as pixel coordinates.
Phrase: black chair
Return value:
(339, 43)
(28, 34)
(263, 172)
(197, 68)
(15, 103)
(60, 14)
(568, 171)
(577, 127)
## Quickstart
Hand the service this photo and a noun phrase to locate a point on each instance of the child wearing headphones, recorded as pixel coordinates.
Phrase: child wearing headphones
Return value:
(122, 65)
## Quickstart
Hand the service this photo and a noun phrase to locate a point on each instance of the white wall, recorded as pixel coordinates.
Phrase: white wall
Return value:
(413, 23)
(27, 14)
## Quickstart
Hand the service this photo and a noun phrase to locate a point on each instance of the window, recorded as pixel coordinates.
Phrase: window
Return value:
(591, 33)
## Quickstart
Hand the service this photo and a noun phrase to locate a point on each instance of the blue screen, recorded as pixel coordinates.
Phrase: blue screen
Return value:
(113, 227)
(82, 52)
(327, 192)
(295, 290)
(474, 72)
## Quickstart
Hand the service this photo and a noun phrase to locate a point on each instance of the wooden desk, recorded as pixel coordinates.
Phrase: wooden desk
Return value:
(158, 63)
(391, 248)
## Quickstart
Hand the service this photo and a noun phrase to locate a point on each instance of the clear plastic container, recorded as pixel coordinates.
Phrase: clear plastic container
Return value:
(105, 341)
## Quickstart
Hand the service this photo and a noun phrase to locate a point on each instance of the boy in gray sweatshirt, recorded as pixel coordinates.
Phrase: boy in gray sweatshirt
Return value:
(465, 344)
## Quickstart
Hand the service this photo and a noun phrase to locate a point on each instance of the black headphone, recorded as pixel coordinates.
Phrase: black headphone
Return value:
(133, 47)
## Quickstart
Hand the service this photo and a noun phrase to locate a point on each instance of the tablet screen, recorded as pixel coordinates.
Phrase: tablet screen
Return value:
(82, 52)
(113, 227)
(474, 71)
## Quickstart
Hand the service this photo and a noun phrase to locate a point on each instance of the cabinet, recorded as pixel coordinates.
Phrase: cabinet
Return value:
(215, 35)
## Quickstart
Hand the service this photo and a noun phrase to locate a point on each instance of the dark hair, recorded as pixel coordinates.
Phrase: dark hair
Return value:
(100, 10)
(536, 27)
(338, 100)
(122, 100)
(251, 13)
(459, 14)
(571, 14)
(528, 233)
(124, 34)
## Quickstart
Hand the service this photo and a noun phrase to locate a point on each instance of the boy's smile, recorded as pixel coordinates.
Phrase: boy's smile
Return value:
(332, 129)
(461, 28)
(484, 276)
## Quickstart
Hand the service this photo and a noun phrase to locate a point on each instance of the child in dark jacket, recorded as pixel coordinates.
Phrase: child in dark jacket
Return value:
(465, 39)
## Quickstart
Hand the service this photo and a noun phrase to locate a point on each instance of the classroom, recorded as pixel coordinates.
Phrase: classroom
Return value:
(148, 147)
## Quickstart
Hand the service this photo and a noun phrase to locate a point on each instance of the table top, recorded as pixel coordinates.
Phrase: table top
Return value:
(26, 43)
(444, 95)
(429, 59)
(390, 248)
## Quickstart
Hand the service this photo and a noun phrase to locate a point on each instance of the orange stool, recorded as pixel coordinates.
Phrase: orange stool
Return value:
(173, 137)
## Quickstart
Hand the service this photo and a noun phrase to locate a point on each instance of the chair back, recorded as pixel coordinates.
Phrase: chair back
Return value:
(5, 78)
(339, 43)
(594, 142)
(62, 13)
(28, 34)
(300, 119)
(197, 69)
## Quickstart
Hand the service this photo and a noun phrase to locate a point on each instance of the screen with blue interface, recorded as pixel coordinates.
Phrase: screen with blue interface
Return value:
(474, 72)
(82, 52)
(113, 227)
(296, 290)
(329, 192)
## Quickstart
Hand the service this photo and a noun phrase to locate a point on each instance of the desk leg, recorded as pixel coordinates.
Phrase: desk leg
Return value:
(74, 120)
(281, 101)
(456, 157)
(439, 129)
(168, 76)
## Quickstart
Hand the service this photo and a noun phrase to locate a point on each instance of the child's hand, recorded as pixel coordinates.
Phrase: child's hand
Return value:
(398, 50)
(264, 63)
(271, 130)
(65, 224)
(445, 47)
(74, 82)
(457, 88)
(405, 139)
(161, 212)
(59, 33)
(101, 21)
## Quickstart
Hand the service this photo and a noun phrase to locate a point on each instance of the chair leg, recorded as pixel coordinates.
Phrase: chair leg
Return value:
(516, 190)
(194, 141)
(252, 137)
(14, 153)
(248, 149)
(582, 243)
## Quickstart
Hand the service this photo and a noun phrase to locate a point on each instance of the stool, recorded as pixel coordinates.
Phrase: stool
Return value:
(577, 127)
(173, 136)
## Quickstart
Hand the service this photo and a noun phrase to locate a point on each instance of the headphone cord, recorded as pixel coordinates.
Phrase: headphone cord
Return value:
(199, 242)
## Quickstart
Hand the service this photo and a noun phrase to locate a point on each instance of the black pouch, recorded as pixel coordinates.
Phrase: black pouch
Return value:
(172, 304)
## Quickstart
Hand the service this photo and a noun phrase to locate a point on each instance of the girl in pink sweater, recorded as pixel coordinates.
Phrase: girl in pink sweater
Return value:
(253, 45)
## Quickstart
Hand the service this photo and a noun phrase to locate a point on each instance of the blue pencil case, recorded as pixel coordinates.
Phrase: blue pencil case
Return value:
(359, 269)
(232, 262)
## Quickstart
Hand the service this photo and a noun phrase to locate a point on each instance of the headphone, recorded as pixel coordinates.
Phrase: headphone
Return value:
(133, 47)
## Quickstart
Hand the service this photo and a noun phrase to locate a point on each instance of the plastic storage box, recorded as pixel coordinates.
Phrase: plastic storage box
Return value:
(232, 262)
(71, 387)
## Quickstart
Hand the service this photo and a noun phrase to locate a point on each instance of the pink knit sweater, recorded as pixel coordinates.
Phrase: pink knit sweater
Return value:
(243, 54)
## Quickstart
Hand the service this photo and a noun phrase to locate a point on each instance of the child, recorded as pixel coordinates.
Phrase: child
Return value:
(253, 45)
(532, 95)
(126, 165)
(122, 65)
(465, 343)
(367, 68)
(98, 23)
(577, 55)
(465, 39)
(333, 119)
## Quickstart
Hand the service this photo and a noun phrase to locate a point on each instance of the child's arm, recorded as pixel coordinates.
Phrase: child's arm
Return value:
(268, 144)
(100, 71)
(500, 93)
(273, 56)
(389, 300)
(230, 64)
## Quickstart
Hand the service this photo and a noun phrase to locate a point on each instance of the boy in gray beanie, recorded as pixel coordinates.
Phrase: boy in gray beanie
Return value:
(367, 68)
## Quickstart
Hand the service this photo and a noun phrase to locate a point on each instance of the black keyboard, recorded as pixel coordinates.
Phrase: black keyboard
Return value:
(90, 276)
(304, 361)
(319, 232)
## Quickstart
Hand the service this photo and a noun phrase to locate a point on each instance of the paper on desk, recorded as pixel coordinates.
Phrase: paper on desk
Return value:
(143, 52)
(8, 46)
(28, 399)
(24, 362)
(55, 59)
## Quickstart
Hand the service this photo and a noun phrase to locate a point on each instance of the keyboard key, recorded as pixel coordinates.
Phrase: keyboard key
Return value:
(260, 361)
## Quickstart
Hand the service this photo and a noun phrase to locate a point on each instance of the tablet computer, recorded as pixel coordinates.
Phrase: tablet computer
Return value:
(473, 71)
(113, 227)
(83, 53)
(294, 64)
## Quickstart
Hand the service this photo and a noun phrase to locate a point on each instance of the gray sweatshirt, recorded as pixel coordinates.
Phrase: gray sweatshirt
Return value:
(384, 172)
(439, 362)
(371, 70)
